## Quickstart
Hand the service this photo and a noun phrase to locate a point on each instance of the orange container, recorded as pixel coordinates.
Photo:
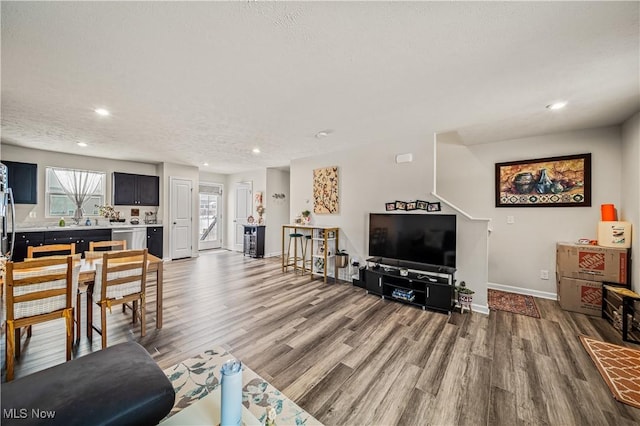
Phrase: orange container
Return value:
(607, 213)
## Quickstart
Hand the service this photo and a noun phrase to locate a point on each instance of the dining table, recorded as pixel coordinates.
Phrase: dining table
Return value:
(87, 279)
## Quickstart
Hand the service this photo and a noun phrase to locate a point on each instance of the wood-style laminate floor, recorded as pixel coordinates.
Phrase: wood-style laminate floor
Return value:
(350, 358)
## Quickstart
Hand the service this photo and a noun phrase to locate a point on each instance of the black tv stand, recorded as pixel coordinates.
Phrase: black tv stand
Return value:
(418, 284)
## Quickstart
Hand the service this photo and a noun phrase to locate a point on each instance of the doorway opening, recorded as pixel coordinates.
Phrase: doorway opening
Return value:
(210, 217)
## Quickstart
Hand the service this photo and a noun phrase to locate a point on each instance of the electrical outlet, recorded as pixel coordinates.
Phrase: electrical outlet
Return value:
(544, 274)
(511, 220)
(32, 215)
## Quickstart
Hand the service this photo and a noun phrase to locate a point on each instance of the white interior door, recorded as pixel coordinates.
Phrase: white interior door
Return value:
(243, 209)
(210, 220)
(180, 216)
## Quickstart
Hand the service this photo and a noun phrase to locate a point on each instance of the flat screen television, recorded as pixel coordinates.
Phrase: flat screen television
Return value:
(421, 238)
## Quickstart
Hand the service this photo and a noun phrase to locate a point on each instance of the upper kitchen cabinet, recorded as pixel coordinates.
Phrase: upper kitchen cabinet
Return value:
(135, 190)
(23, 181)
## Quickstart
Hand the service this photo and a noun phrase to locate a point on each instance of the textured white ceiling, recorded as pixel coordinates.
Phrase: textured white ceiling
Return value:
(189, 82)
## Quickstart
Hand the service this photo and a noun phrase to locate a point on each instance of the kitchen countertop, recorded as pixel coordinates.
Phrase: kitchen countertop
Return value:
(40, 228)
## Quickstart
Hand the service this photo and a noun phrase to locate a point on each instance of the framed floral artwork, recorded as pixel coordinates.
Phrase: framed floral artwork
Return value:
(325, 190)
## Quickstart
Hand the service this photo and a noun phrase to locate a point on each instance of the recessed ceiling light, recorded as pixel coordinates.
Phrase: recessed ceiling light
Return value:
(557, 105)
(205, 164)
(101, 111)
(82, 144)
(323, 133)
(256, 150)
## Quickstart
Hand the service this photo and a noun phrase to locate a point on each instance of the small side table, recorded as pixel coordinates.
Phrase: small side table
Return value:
(613, 299)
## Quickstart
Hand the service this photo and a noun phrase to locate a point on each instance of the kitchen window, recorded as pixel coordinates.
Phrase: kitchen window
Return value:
(59, 202)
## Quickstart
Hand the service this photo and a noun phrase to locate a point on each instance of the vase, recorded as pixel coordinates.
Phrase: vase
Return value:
(342, 260)
(544, 183)
(524, 183)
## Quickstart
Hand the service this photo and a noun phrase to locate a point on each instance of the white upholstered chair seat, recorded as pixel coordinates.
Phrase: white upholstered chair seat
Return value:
(44, 306)
(117, 291)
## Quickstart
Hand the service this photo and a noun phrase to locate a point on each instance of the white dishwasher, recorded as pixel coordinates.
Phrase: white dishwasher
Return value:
(136, 238)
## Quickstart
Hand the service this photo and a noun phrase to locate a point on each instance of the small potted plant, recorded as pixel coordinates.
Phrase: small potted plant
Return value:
(342, 259)
(306, 216)
(465, 296)
(110, 213)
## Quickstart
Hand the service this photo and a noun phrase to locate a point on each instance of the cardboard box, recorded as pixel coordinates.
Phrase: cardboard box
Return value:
(593, 263)
(580, 296)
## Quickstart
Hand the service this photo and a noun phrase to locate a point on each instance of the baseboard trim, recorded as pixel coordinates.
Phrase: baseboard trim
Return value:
(525, 291)
(480, 309)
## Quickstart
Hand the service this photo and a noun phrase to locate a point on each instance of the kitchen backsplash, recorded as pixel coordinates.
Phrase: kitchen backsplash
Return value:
(126, 212)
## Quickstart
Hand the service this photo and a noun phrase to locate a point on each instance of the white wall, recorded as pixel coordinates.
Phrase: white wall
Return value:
(366, 180)
(370, 177)
(517, 252)
(630, 203)
(55, 159)
(258, 179)
(277, 210)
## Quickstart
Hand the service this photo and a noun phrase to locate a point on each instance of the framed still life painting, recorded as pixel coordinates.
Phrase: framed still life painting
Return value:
(545, 182)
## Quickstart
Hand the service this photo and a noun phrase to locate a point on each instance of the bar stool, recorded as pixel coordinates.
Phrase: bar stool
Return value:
(306, 261)
(296, 239)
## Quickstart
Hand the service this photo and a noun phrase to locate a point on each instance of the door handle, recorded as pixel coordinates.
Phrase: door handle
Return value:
(175, 223)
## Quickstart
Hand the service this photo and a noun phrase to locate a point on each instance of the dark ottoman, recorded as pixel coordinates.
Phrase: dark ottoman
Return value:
(120, 385)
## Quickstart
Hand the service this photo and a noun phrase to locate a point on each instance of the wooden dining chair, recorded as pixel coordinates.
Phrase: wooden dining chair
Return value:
(108, 245)
(38, 291)
(76, 307)
(51, 248)
(103, 246)
(120, 278)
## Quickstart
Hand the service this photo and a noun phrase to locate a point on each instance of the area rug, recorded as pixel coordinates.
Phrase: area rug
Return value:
(196, 377)
(514, 303)
(619, 367)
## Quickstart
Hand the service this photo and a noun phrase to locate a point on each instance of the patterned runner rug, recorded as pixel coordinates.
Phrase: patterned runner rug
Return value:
(619, 367)
(196, 377)
(512, 302)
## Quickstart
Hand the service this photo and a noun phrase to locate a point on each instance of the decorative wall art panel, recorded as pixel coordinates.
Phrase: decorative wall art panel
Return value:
(545, 182)
(325, 190)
